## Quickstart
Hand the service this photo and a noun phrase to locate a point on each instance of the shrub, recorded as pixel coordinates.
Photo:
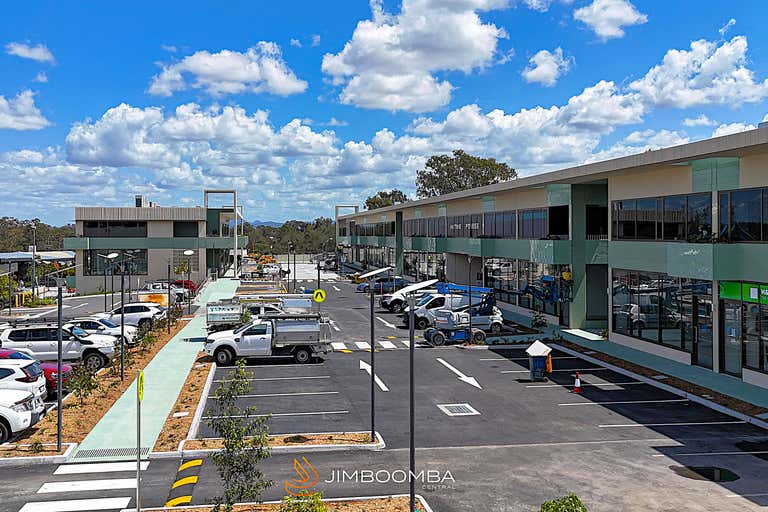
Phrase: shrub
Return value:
(245, 316)
(570, 503)
(82, 383)
(310, 503)
(36, 447)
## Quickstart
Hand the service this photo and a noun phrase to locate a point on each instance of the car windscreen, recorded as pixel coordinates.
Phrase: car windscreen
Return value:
(19, 355)
(424, 300)
(78, 332)
(242, 328)
(107, 323)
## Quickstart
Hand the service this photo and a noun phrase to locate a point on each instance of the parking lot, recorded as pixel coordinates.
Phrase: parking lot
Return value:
(470, 399)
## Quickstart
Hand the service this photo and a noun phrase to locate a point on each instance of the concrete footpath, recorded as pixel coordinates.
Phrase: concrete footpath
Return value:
(114, 437)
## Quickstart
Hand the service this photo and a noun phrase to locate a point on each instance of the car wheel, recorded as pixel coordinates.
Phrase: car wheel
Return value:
(94, 361)
(398, 307)
(5, 431)
(224, 357)
(495, 328)
(422, 323)
(437, 339)
(302, 355)
(478, 336)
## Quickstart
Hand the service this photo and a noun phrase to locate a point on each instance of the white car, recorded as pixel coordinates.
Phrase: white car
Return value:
(42, 342)
(138, 314)
(96, 325)
(17, 412)
(24, 375)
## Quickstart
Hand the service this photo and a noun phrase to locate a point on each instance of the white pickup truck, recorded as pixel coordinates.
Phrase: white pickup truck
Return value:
(300, 336)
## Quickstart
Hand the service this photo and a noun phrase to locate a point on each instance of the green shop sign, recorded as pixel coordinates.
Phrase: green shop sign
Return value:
(748, 292)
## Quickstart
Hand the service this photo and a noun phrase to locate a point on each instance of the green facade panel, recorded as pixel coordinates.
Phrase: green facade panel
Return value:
(741, 262)
(673, 258)
(558, 194)
(84, 243)
(711, 174)
(343, 240)
(596, 252)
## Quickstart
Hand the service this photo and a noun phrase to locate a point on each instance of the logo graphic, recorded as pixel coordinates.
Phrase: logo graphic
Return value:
(307, 478)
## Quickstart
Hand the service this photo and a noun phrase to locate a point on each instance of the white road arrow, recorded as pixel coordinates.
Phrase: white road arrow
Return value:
(365, 366)
(335, 327)
(469, 380)
(391, 326)
(336, 288)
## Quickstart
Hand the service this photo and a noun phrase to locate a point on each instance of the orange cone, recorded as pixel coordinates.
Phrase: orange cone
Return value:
(577, 384)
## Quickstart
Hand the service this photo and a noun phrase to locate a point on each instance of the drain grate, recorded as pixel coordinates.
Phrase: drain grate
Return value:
(110, 453)
(458, 409)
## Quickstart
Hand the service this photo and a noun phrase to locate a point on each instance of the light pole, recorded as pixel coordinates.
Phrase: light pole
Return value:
(60, 283)
(109, 259)
(168, 312)
(188, 253)
(34, 255)
(469, 281)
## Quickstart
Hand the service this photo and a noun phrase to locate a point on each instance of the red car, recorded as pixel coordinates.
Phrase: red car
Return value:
(186, 283)
(48, 368)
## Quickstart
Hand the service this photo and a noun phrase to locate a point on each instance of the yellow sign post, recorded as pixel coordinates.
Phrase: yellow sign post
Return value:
(319, 295)
(140, 397)
(140, 385)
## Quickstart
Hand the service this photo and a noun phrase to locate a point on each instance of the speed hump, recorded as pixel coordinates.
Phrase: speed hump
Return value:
(319, 295)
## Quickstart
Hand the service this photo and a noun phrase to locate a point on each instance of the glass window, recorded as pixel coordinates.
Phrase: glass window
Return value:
(620, 302)
(699, 217)
(646, 219)
(746, 215)
(540, 227)
(673, 303)
(185, 229)
(489, 225)
(674, 218)
(750, 317)
(624, 214)
(644, 309)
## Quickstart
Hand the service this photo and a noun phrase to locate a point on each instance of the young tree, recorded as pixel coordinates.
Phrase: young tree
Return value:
(245, 437)
(385, 198)
(443, 174)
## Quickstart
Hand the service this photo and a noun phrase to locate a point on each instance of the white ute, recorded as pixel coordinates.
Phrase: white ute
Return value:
(300, 336)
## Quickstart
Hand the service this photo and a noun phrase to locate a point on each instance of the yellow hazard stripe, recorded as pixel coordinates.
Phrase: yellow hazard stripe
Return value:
(184, 481)
(344, 351)
(190, 464)
(181, 500)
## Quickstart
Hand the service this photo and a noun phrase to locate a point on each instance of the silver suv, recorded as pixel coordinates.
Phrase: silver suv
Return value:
(41, 342)
(140, 314)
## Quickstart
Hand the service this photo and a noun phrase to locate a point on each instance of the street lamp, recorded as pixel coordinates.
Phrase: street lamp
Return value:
(369, 276)
(408, 292)
(109, 257)
(188, 253)
(34, 255)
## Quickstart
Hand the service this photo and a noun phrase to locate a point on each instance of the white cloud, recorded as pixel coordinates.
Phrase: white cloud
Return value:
(20, 113)
(335, 122)
(725, 28)
(729, 129)
(391, 60)
(169, 48)
(315, 40)
(543, 5)
(38, 52)
(295, 43)
(259, 69)
(41, 77)
(701, 120)
(640, 142)
(546, 67)
(607, 18)
(709, 73)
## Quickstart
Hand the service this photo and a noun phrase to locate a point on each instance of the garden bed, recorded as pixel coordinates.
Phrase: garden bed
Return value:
(384, 504)
(79, 419)
(340, 438)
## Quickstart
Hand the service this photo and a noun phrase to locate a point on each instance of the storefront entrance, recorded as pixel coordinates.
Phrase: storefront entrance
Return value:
(731, 337)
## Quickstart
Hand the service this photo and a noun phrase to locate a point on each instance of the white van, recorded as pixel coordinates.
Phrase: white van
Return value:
(424, 313)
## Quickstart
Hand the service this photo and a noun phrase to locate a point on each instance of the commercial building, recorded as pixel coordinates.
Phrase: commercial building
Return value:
(149, 237)
(665, 250)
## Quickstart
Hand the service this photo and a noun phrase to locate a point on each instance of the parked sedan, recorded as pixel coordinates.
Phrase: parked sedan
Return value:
(383, 285)
(187, 284)
(17, 412)
(49, 369)
(24, 375)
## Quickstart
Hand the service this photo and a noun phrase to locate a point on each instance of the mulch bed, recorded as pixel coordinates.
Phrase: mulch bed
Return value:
(347, 438)
(396, 504)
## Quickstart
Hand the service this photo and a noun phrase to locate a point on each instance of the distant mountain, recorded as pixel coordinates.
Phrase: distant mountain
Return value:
(267, 223)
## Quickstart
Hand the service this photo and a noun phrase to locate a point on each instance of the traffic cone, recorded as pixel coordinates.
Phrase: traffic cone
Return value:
(577, 384)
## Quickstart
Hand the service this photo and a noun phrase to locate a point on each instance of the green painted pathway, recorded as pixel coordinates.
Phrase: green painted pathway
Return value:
(115, 435)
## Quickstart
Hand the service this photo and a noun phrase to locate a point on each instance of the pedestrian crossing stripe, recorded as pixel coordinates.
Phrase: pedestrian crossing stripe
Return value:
(359, 346)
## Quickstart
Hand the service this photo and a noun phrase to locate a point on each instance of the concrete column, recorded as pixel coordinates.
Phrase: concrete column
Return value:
(399, 242)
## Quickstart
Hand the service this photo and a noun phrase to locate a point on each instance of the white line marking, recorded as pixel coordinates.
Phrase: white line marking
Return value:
(392, 326)
(43, 313)
(688, 424)
(559, 370)
(362, 345)
(407, 343)
(88, 485)
(630, 383)
(337, 345)
(387, 344)
(367, 368)
(275, 414)
(629, 402)
(469, 380)
(283, 378)
(336, 288)
(335, 327)
(80, 305)
(706, 453)
(759, 495)
(265, 395)
(76, 505)
(106, 467)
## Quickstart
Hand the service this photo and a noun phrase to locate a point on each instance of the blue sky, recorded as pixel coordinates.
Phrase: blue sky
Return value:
(303, 105)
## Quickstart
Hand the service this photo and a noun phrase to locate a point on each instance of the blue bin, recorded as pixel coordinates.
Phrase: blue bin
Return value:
(538, 367)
